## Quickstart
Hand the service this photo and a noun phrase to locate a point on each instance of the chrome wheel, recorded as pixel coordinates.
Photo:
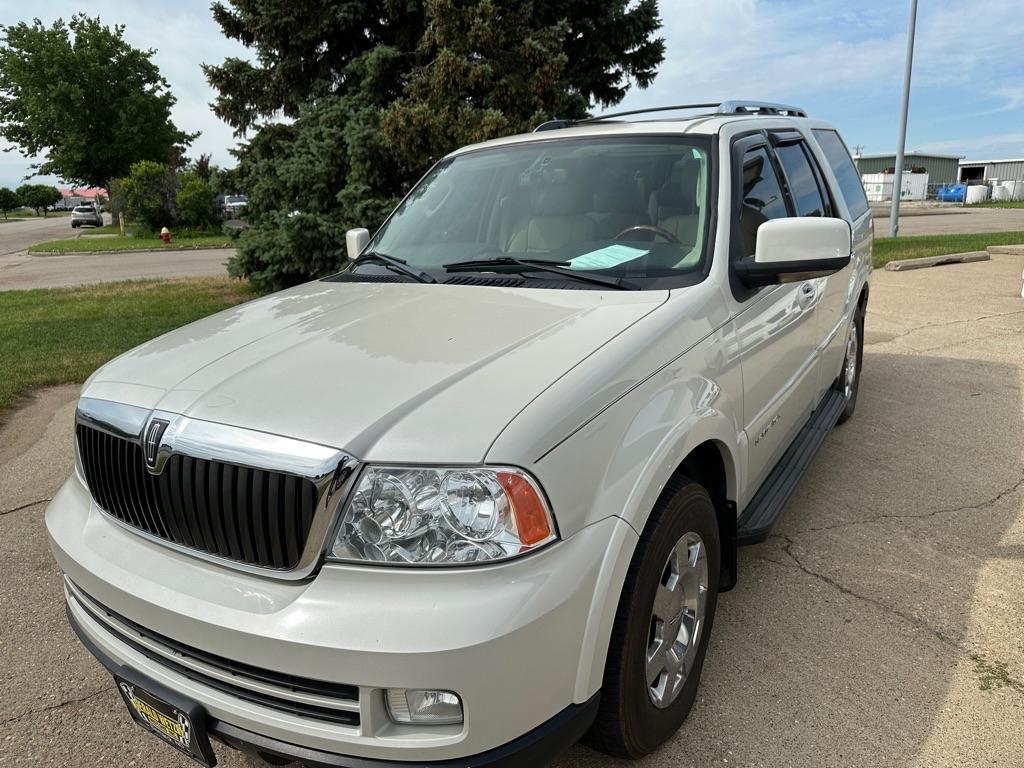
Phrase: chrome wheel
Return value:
(677, 620)
(850, 369)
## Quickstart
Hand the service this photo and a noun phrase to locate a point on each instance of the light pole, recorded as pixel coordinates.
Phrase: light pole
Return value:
(897, 184)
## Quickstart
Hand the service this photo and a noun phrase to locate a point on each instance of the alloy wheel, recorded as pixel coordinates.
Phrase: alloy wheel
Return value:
(850, 369)
(677, 620)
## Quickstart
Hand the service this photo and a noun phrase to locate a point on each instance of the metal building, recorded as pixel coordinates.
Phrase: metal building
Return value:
(941, 169)
(983, 170)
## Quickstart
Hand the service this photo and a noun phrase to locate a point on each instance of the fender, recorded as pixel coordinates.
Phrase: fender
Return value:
(700, 427)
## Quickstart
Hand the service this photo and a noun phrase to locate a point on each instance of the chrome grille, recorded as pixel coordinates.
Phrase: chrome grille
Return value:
(253, 516)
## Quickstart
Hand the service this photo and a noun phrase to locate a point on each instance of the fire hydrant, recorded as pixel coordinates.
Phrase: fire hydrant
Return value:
(165, 235)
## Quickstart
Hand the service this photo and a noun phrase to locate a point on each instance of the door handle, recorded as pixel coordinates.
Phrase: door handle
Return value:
(806, 295)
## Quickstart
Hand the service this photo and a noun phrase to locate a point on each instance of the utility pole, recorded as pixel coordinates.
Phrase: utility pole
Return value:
(897, 185)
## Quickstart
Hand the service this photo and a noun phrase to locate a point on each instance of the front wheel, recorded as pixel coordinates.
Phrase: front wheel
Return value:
(848, 382)
(662, 626)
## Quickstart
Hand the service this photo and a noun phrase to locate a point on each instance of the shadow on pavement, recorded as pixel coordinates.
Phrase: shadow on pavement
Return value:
(861, 632)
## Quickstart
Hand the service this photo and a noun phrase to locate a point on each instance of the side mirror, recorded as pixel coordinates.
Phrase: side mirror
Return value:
(355, 241)
(794, 249)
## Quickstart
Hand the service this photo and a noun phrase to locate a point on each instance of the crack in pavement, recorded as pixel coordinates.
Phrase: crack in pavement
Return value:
(24, 506)
(52, 707)
(1009, 682)
(947, 323)
(1008, 491)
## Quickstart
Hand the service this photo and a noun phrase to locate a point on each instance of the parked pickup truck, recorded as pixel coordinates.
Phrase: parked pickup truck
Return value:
(476, 496)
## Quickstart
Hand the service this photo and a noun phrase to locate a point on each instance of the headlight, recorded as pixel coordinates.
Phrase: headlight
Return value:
(442, 516)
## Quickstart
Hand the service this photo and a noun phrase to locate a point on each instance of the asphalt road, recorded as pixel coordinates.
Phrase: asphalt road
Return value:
(19, 235)
(952, 221)
(881, 625)
(20, 270)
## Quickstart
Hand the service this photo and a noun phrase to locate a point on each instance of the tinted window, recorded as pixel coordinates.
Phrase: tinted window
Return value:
(846, 172)
(762, 196)
(803, 186)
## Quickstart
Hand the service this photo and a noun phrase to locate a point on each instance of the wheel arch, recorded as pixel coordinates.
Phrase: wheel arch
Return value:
(702, 454)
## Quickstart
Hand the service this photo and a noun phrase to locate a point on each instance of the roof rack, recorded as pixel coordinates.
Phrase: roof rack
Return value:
(734, 107)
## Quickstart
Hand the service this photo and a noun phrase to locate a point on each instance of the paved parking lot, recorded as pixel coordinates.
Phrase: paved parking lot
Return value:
(882, 624)
(946, 221)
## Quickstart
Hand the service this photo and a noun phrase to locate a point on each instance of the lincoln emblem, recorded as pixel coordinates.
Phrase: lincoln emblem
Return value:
(154, 432)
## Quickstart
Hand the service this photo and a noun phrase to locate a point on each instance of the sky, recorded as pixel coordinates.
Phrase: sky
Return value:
(841, 61)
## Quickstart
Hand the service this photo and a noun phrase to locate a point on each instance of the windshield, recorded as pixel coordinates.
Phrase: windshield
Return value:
(628, 207)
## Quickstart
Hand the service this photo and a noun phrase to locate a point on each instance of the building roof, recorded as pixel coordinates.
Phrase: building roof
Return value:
(879, 156)
(87, 192)
(992, 162)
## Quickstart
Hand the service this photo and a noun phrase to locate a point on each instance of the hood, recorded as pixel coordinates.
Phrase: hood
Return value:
(388, 371)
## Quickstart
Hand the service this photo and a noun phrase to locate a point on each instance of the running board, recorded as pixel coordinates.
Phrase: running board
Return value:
(765, 509)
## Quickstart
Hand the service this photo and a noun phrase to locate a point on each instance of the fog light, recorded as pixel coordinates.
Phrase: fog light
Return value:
(424, 707)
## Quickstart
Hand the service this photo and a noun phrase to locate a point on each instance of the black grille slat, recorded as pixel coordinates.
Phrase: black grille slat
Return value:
(275, 529)
(253, 516)
(216, 510)
(291, 518)
(259, 506)
(245, 521)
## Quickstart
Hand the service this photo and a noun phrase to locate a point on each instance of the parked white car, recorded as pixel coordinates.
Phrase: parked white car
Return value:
(87, 213)
(476, 496)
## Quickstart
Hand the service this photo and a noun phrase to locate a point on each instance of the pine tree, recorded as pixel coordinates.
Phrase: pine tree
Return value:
(374, 90)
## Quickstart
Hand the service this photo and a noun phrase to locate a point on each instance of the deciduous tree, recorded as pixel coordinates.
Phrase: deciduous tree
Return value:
(38, 196)
(9, 200)
(78, 95)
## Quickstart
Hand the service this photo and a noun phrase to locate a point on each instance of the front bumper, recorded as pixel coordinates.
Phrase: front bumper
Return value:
(510, 639)
(534, 749)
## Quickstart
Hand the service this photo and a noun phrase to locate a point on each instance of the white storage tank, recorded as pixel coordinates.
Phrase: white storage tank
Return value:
(878, 186)
(1001, 192)
(977, 193)
(1016, 189)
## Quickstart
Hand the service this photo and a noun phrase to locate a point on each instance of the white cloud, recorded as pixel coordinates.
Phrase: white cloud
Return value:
(986, 147)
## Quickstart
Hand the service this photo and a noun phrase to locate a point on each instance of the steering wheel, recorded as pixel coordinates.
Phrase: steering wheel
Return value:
(648, 228)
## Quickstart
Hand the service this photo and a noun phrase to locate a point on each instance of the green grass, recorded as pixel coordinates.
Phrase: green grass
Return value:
(999, 204)
(61, 335)
(107, 229)
(31, 214)
(92, 244)
(918, 246)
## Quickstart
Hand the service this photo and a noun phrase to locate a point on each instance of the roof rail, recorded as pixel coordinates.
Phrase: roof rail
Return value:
(734, 107)
(551, 125)
(759, 108)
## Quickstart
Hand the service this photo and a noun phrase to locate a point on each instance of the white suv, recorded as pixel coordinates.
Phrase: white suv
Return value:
(476, 496)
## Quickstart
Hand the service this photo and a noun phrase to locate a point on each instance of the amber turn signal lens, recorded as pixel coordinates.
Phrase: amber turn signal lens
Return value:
(527, 508)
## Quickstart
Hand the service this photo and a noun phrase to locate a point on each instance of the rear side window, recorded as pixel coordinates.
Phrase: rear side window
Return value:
(845, 171)
(762, 196)
(803, 186)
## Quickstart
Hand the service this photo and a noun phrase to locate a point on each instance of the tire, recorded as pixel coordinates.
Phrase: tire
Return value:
(848, 381)
(630, 723)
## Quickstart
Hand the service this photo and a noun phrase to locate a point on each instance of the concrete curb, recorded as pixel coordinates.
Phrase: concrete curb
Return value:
(935, 261)
(1008, 250)
(45, 254)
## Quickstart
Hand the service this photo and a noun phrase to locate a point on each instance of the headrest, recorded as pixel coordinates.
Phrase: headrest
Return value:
(679, 193)
(558, 200)
(616, 196)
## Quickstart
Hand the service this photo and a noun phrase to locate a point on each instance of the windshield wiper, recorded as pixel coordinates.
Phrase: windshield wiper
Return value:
(394, 264)
(543, 265)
